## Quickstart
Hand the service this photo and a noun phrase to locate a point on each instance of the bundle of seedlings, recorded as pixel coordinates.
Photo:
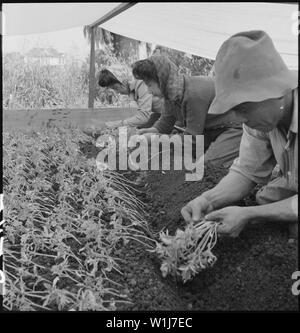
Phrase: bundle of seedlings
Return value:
(189, 251)
(64, 219)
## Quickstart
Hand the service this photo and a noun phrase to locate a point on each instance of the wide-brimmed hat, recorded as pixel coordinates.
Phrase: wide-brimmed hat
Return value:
(248, 68)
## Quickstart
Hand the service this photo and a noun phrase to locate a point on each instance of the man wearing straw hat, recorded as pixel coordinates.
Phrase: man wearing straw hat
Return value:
(252, 79)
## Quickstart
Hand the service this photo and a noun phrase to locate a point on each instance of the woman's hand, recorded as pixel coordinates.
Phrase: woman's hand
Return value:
(151, 130)
(232, 220)
(147, 132)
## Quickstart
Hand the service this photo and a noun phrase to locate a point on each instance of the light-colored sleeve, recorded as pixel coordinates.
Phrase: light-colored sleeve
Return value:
(144, 106)
(256, 159)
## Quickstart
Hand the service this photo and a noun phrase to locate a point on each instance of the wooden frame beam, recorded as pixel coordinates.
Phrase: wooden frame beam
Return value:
(114, 12)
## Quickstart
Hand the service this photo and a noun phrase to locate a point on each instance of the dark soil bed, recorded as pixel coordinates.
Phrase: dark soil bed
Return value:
(253, 271)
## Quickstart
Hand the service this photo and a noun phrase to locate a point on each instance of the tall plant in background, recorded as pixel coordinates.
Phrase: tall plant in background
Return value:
(102, 37)
(31, 85)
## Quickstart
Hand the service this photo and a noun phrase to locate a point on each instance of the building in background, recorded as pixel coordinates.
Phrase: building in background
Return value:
(45, 56)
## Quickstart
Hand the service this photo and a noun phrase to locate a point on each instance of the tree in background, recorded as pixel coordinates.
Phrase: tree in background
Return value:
(102, 36)
(122, 48)
(127, 50)
(187, 64)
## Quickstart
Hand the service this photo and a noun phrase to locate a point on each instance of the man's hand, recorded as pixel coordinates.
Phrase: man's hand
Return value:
(196, 209)
(232, 220)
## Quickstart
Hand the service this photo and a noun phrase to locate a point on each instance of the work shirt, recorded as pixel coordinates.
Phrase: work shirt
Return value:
(261, 151)
(146, 103)
(191, 111)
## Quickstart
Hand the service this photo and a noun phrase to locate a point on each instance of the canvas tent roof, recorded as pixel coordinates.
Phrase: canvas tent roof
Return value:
(31, 18)
(196, 28)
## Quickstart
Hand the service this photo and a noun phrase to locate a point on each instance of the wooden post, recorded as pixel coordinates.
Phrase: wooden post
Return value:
(92, 82)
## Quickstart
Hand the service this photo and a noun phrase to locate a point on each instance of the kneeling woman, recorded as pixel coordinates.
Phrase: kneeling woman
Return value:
(120, 80)
(187, 100)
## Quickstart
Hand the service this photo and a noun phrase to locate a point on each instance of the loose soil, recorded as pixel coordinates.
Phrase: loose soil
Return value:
(253, 271)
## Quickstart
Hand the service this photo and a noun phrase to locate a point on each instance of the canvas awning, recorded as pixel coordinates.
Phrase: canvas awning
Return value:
(201, 28)
(195, 28)
(33, 18)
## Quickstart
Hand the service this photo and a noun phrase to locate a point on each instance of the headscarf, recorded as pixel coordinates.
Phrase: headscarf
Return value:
(122, 73)
(170, 81)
